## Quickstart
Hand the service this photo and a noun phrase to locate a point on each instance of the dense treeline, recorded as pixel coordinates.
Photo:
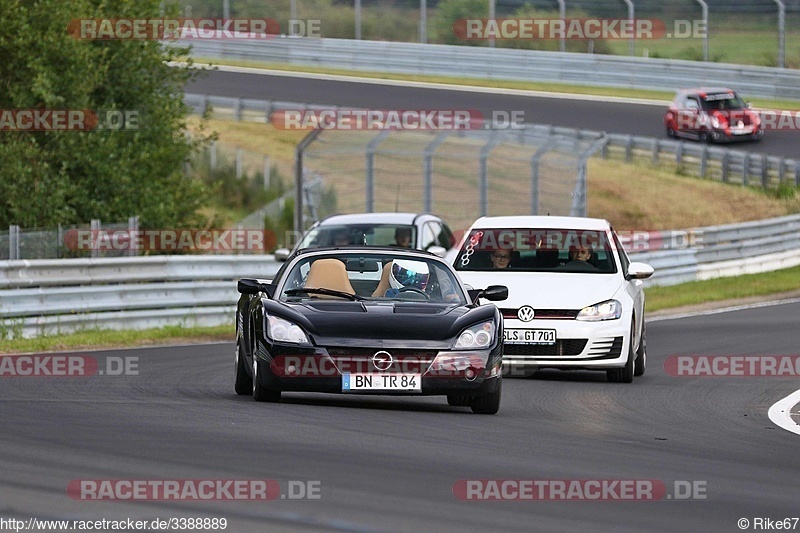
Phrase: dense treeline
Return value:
(51, 177)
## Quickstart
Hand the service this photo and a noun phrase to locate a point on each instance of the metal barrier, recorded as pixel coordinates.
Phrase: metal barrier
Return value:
(505, 63)
(713, 162)
(45, 297)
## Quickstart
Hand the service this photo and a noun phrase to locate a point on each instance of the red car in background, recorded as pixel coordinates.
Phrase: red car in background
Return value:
(712, 115)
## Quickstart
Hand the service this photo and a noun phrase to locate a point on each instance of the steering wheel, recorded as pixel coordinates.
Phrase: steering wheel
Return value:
(415, 290)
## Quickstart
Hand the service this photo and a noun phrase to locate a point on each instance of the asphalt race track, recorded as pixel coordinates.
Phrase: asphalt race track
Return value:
(390, 464)
(635, 119)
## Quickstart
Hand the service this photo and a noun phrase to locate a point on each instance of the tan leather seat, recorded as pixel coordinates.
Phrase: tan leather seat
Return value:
(329, 274)
(383, 285)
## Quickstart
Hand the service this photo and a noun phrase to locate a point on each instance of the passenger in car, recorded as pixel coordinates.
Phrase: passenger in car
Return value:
(402, 237)
(579, 253)
(501, 259)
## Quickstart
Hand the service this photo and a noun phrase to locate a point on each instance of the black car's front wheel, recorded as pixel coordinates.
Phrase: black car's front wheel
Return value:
(244, 383)
(488, 404)
(260, 392)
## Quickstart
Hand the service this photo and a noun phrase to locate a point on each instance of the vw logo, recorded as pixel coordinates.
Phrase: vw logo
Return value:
(525, 313)
(382, 360)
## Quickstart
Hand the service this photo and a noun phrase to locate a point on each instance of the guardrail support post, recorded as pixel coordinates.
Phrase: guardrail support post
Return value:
(629, 149)
(746, 169)
(679, 154)
(725, 163)
(656, 148)
(704, 161)
(797, 173)
(133, 235)
(764, 172)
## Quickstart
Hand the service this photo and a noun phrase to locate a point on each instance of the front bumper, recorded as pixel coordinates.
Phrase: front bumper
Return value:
(315, 369)
(579, 345)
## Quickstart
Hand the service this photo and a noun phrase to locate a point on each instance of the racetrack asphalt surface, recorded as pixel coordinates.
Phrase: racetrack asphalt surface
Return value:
(390, 463)
(612, 117)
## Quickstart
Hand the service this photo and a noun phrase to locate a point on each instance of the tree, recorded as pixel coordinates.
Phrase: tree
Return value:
(52, 177)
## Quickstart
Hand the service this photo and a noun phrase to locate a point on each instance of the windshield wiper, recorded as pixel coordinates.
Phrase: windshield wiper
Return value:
(322, 290)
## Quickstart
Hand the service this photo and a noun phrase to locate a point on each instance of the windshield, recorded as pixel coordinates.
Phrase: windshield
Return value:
(359, 234)
(722, 102)
(365, 276)
(537, 250)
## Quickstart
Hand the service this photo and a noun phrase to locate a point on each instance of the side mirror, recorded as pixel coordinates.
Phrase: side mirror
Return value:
(493, 293)
(748, 105)
(254, 286)
(282, 254)
(437, 251)
(639, 271)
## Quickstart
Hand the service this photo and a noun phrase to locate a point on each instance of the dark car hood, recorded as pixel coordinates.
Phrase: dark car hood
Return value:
(330, 320)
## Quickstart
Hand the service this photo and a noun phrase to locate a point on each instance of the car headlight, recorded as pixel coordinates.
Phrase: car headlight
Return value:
(478, 336)
(715, 123)
(282, 330)
(608, 310)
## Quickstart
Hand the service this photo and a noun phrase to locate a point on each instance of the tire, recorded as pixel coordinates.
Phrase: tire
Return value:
(624, 374)
(244, 383)
(640, 365)
(261, 393)
(705, 138)
(488, 404)
(670, 132)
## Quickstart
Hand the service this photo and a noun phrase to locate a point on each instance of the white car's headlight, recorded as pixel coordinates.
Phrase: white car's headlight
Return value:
(608, 310)
(282, 330)
(477, 336)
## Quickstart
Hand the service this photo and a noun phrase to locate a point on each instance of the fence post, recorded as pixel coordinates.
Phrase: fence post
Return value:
(267, 172)
(13, 242)
(535, 160)
(483, 177)
(95, 227)
(133, 235)
(60, 242)
(213, 158)
(298, 178)
(372, 147)
(237, 110)
(239, 170)
(427, 178)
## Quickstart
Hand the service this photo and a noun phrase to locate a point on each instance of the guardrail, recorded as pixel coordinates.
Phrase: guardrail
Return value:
(713, 162)
(505, 63)
(54, 296)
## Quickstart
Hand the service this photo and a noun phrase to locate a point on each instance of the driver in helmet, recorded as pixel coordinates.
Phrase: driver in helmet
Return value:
(407, 276)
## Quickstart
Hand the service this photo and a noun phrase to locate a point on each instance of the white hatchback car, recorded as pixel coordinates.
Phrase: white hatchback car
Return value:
(575, 301)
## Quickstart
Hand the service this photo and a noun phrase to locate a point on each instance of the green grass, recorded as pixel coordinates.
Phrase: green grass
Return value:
(106, 338)
(721, 289)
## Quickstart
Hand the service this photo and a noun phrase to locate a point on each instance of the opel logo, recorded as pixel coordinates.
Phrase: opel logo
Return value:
(382, 360)
(525, 313)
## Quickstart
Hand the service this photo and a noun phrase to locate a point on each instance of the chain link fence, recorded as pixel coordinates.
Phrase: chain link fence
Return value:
(458, 175)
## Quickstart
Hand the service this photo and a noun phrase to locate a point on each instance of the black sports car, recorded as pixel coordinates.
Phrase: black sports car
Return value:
(367, 320)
